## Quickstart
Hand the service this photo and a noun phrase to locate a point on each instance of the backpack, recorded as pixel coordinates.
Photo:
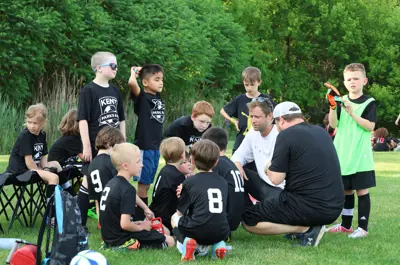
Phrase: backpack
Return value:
(69, 237)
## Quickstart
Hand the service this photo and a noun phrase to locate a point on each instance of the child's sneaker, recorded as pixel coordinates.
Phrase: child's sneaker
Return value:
(358, 233)
(218, 250)
(188, 248)
(339, 229)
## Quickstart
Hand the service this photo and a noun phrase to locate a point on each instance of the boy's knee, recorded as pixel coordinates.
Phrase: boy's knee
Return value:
(53, 179)
(170, 241)
(362, 192)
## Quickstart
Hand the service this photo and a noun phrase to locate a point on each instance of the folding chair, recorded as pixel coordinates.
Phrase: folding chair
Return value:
(29, 191)
(4, 198)
(74, 174)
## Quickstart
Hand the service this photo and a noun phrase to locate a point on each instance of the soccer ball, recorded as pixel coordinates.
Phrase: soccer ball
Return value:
(89, 257)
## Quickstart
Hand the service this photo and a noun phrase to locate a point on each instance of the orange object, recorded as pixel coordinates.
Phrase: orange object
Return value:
(156, 224)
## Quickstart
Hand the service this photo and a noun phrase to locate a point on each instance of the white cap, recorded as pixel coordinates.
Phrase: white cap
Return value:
(286, 108)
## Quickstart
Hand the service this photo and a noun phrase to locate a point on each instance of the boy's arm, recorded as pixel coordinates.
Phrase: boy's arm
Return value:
(127, 225)
(30, 164)
(364, 123)
(133, 84)
(122, 128)
(147, 212)
(333, 121)
(84, 132)
(397, 120)
(229, 118)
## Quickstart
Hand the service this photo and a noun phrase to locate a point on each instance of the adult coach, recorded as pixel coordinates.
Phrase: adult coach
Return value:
(306, 159)
(258, 146)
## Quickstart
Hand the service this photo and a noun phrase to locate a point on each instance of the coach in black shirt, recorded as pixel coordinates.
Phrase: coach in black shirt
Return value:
(306, 159)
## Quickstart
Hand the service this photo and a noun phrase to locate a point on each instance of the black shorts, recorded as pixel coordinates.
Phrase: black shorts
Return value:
(275, 210)
(257, 187)
(147, 239)
(359, 180)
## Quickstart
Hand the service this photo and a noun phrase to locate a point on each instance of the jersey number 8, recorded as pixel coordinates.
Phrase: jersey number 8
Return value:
(215, 200)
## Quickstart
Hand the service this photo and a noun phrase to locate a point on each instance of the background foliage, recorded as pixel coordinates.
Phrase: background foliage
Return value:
(203, 45)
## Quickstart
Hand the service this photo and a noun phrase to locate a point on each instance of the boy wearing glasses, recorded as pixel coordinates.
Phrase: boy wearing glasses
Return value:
(100, 104)
(354, 120)
(149, 108)
(236, 110)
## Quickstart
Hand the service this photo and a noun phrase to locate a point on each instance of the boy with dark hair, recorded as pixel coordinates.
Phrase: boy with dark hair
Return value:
(227, 169)
(120, 227)
(353, 146)
(101, 170)
(201, 214)
(100, 104)
(236, 110)
(149, 107)
(190, 128)
(165, 201)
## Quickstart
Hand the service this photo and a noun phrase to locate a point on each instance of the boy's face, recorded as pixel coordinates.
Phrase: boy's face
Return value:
(201, 122)
(108, 69)
(34, 124)
(154, 83)
(251, 86)
(135, 164)
(185, 167)
(354, 81)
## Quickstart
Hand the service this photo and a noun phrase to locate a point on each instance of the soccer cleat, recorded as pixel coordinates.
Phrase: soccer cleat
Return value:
(313, 236)
(218, 250)
(188, 248)
(358, 233)
(339, 229)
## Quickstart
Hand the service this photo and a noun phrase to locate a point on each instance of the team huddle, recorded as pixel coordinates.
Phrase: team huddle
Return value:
(285, 176)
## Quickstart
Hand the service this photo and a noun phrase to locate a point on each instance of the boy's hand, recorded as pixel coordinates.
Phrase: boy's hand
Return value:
(135, 71)
(236, 123)
(149, 214)
(146, 225)
(330, 95)
(87, 154)
(178, 191)
(347, 107)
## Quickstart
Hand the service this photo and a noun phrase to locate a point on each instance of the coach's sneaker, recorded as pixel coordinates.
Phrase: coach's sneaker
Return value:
(312, 237)
(218, 250)
(339, 228)
(294, 236)
(358, 233)
(188, 248)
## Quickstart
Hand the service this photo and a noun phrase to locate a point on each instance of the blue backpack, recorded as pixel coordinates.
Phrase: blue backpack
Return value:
(69, 237)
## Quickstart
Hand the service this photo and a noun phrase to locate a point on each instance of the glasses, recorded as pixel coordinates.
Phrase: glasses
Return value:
(113, 66)
(264, 100)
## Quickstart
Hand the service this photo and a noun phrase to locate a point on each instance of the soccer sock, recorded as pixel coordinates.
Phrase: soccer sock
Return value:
(145, 200)
(348, 210)
(83, 203)
(364, 207)
(178, 235)
(49, 191)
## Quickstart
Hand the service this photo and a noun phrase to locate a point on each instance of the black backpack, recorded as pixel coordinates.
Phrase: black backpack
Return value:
(69, 237)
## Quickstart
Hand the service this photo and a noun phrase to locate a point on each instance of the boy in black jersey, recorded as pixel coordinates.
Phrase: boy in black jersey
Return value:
(228, 170)
(201, 215)
(30, 152)
(236, 110)
(149, 107)
(190, 128)
(100, 104)
(165, 201)
(67, 150)
(119, 226)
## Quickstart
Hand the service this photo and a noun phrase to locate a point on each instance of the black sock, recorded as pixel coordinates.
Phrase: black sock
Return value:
(145, 200)
(177, 233)
(83, 203)
(364, 207)
(50, 190)
(347, 212)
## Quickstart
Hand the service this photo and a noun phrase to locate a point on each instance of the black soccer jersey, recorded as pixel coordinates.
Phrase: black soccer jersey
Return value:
(235, 205)
(381, 144)
(27, 144)
(100, 106)
(150, 111)
(118, 197)
(369, 111)
(100, 172)
(183, 128)
(65, 150)
(165, 201)
(203, 203)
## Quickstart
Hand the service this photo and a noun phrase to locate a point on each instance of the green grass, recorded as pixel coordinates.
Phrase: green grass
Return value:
(380, 247)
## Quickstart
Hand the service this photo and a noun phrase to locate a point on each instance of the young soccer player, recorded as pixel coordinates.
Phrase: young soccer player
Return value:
(119, 226)
(354, 120)
(101, 170)
(67, 150)
(30, 151)
(100, 104)
(382, 140)
(186, 166)
(165, 200)
(149, 107)
(201, 214)
(228, 170)
(236, 110)
(190, 128)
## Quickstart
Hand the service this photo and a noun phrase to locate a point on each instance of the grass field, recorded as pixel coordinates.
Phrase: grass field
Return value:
(380, 247)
